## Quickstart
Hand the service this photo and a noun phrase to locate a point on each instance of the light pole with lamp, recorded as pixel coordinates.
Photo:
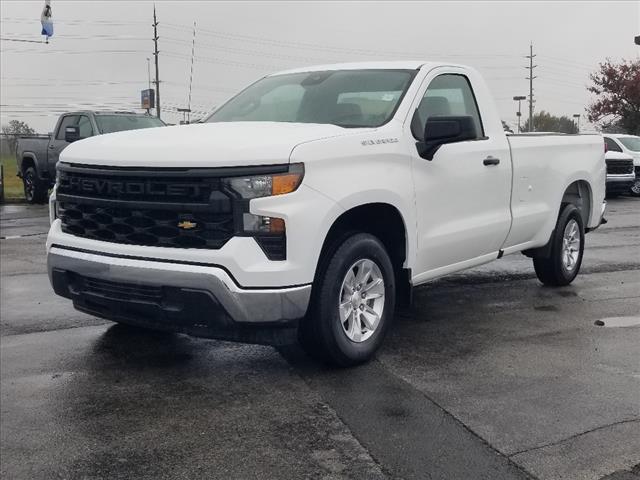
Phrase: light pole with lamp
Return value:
(577, 117)
(149, 72)
(519, 99)
(148, 80)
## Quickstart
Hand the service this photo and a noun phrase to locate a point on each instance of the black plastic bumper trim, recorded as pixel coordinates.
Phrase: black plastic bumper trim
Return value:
(173, 309)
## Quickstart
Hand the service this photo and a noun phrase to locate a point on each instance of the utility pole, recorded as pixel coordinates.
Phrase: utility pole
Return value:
(530, 78)
(519, 99)
(155, 53)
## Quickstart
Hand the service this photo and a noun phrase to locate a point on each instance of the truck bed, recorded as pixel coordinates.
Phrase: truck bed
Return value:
(544, 165)
(35, 145)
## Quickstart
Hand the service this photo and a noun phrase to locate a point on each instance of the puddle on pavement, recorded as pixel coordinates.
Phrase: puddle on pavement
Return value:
(618, 322)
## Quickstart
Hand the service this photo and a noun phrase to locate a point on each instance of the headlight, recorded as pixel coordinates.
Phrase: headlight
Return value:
(268, 185)
(53, 205)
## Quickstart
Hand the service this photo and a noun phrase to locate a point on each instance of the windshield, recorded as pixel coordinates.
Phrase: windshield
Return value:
(120, 123)
(632, 143)
(347, 98)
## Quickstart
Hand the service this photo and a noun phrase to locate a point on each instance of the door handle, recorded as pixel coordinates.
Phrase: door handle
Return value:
(491, 160)
(52, 147)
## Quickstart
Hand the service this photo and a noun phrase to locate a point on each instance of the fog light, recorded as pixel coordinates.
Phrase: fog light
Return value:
(259, 224)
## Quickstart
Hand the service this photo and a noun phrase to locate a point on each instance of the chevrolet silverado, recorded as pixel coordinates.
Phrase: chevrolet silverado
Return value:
(310, 204)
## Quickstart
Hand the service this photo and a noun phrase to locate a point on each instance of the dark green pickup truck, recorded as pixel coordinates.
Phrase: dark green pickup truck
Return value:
(37, 155)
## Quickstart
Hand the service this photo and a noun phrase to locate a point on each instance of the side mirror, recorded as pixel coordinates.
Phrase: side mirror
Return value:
(442, 130)
(71, 134)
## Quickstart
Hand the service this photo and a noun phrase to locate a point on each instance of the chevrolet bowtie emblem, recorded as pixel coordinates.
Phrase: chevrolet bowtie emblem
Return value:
(187, 224)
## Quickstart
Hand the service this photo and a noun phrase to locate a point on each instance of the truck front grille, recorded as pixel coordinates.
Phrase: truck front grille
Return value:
(619, 167)
(161, 208)
(161, 227)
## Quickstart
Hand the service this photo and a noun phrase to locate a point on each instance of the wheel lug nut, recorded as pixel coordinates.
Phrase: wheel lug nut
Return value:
(361, 307)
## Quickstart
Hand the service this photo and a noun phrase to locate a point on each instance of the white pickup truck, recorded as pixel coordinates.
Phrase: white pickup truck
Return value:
(311, 203)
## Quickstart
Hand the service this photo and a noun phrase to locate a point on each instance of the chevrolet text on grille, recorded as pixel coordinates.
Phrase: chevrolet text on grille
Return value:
(104, 186)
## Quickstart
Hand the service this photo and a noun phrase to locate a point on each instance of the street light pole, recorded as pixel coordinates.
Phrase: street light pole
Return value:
(148, 80)
(577, 117)
(185, 112)
(519, 99)
(149, 73)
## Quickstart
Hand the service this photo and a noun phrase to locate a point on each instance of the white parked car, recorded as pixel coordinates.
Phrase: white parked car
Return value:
(312, 202)
(629, 145)
(621, 176)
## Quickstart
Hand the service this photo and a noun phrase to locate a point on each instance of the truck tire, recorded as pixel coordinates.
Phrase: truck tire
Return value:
(635, 188)
(35, 190)
(567, 246)
(353, 303)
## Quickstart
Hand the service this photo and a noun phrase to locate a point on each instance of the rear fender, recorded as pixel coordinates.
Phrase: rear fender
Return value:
(25, 160)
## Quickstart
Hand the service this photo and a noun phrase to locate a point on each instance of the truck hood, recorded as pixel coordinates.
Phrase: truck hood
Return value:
(223, 144)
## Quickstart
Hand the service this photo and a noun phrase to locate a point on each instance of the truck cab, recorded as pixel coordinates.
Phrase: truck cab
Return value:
(37, 156)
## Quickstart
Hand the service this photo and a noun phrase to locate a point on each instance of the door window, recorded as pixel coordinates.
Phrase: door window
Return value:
(612, 146)
(84, 124)
(447, 95)
(67, 121)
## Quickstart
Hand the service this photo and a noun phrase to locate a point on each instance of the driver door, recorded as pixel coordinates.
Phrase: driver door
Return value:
(462, 196)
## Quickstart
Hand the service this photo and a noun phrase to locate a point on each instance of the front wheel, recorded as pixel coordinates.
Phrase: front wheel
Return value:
(353, 303)
(567, 246)
(635, 188)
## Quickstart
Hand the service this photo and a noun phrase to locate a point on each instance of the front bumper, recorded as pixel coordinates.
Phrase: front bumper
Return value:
(199, 300)
(620, 183)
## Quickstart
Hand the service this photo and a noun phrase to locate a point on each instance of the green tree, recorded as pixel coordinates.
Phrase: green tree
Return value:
(545, 122)
(15, 129)
(617, 90)
(506, 127)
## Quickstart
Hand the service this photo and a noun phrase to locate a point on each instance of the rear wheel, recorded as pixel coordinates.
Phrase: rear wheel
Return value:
(35, 191)
(353, 303)
(567, 246)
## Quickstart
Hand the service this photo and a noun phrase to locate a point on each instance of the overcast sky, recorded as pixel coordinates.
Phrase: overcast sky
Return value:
(97, 56)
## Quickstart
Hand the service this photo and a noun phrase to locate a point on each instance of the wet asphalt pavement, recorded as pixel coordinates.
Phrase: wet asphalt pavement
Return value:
(488, 376)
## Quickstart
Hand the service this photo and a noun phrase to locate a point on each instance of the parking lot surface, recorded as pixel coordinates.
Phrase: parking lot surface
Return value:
(488, 376)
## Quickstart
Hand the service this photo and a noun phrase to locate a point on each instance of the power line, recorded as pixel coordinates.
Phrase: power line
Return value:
(70, 52)
(6, 39)
(76, 22)
(315, 46)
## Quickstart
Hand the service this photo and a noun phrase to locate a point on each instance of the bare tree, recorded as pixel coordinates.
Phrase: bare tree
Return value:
(13, 130)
